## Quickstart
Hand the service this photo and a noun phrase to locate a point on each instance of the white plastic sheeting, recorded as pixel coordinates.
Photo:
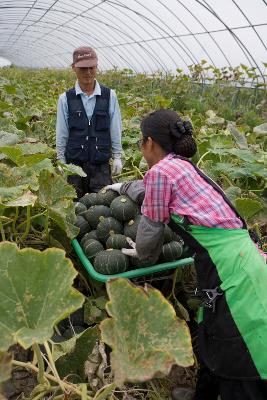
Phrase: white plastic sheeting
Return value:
(145, 36)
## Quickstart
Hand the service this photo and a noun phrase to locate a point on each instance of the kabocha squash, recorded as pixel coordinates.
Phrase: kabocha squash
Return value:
(108, 226)
(89, 199)
(171, 251)
(117, 241)
(123, 208)
(83, 225)
(79, 208)
(168, 234)
(109, 262)
(105, 197)
(87, 236)
(130, 227)
(95, 213)
(92, 248)
(105, 227)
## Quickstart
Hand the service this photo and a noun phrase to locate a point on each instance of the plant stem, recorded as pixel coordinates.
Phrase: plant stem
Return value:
(47, 226)
(67, 386)
(42, 394)
(32, 217)
(52, 365)
(41, 373)
(2, 231)
(202, 157)
(28, 224)
(227, 180)
(15, 220)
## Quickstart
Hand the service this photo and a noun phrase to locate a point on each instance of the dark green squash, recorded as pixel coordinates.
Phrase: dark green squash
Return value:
(117, 241)
(171, 251)
(106, 196)
(79, 208)
(110, 262)
(168, 234)
(123, 208)
(92, 248)
(130, 227)
(89, 199)
(89, 235)
(95, 213)
(83, 225)
(106, 227)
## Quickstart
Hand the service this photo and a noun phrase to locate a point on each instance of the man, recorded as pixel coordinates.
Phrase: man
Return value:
(88, 129)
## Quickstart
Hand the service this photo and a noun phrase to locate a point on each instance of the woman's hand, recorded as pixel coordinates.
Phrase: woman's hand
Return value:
(130, 252)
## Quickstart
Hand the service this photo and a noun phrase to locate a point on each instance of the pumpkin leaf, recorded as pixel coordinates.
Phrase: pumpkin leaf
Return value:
(53, 187)
(57, 196)
(26, 199)
(248, 207)
(7, 139)
(239, 138)
(153, 337)
(63, 213)
(71, 169)
(232, 192)
(72, 362)
(11, 193)
(35, 294)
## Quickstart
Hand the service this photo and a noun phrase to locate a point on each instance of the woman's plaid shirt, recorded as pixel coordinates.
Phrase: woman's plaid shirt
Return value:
(173, 186)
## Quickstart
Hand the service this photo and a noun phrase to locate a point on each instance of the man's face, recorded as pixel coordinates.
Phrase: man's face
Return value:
(85, 75)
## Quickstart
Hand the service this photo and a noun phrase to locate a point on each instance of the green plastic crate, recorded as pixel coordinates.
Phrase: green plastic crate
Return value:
(128, 274)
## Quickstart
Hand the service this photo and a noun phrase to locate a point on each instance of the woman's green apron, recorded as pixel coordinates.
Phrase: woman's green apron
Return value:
(233, 328)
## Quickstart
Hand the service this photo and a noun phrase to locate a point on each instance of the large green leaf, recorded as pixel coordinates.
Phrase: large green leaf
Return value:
(63, 213)
(11, 193)
(16, 183)
(57, 196)
(26, 199)
(239, 138)
(7, 139)
(53, 187)
(73, 362)
(232, 192)
(144, 333)
(71, 169)
(26, 153)
(35, 294)
(248, 207)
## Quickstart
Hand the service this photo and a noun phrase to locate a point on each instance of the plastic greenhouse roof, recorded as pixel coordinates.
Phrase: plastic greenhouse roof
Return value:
(145, 36)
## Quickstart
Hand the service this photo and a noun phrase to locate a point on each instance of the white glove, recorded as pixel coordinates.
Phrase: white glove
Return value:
(116, 166)
(130, 252)
(115, 186)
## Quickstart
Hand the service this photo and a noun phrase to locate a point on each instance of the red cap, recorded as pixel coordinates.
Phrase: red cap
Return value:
(84, 57)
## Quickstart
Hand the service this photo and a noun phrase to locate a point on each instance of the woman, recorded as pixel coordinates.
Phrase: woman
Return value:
(231, 273)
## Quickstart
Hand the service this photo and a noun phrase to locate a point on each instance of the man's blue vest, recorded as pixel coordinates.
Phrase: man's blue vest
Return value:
(88, 140)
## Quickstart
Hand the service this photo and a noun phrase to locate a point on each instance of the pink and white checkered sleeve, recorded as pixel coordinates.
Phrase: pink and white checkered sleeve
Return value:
(157, 196)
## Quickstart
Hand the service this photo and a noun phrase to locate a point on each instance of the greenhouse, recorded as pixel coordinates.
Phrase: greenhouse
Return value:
(133, 200)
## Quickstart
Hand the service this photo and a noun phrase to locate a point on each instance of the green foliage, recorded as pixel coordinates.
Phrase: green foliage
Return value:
(35, 294)
(149, 339)
(73, 359)
(248, 207)
(57, 196)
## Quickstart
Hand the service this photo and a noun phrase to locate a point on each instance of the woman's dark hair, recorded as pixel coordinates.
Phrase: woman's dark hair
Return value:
(173, 134)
